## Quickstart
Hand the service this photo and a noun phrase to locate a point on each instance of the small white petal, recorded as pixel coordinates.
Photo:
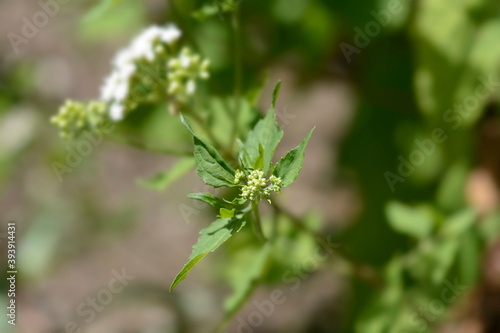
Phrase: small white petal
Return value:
(116, 112)
(109, 87)
(174, 85)
(185, 61)
(127, 71)
(121, 91)
(191, 87)
(170, 33)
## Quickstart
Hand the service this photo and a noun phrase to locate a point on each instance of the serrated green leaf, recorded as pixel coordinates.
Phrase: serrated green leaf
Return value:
(210, 239)
(259, 162)
(163, 179)
(276, 93)
(212, 168)
(288, 167)
(226, 213)
(267, 134)
(414, 221)
(209, 199)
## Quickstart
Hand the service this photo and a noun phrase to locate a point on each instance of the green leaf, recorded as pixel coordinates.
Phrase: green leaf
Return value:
(111, 18)
(443, 257)
(249, 276)
(453, 61)
(210, 239)
(209, 199)
(205, 12)
(459, 223)
(267, 134)
(163, 179)
(259, 162)
(236, 201)
(288, 167)
(414, 221)
(450, 194)
(381, 313)
(100, 9)
(489, 228)
(226, 213)
(469, 257)
(276, 93)
(212, 168)
(254, 92)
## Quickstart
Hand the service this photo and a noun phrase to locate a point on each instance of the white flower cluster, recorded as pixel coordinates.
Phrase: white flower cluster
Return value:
(153, 46)
(256, 187)
(73, 117)
(184, 70)
(144, 47)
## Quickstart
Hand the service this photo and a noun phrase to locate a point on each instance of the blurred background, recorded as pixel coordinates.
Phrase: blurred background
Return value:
(403, 170)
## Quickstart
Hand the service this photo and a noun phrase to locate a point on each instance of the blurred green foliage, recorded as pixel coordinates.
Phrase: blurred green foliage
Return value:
(429, 58)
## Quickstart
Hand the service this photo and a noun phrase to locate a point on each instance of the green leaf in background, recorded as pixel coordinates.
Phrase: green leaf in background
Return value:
(489, 228)
(413, 221)
(267, 134)
(210, 239)
(288, 167)
(39, 244)
(380, 314)
(163, 179)
(450, 193)
(113, 18)
(469, 257)
(210, 200)
(248, 276)
(221, 117)
(443, 256)
(205, 12)
(458, 223)
(454, 60)
(254, 92)
(212, 168)
(100, 9)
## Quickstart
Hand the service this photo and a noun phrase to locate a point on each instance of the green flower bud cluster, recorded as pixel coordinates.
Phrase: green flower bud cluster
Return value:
(74, 117)
(149, 70)
(256, 187)
(184, 70)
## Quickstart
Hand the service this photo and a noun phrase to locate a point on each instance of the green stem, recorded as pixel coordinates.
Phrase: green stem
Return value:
(257, 223)
(237, 72)
(143, 146)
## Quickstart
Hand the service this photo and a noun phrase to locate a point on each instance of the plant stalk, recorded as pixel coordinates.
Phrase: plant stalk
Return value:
(257, 223)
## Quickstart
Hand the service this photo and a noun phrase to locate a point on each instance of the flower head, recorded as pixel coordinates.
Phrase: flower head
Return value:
(149, 68)
(256, 187)
(73, 117)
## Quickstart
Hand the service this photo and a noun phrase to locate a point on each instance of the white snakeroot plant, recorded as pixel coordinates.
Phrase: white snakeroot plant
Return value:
(255, 163)
(154, 70)
(151, 69)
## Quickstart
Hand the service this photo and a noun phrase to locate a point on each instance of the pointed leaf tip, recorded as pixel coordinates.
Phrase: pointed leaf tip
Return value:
(276, 93)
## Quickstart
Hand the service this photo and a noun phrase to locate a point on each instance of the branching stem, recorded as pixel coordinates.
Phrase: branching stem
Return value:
(258, 223)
